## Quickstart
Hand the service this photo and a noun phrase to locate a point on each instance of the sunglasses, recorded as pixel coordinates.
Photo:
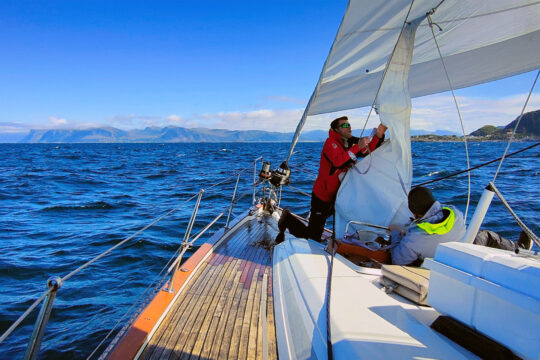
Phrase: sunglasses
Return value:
(345, 125)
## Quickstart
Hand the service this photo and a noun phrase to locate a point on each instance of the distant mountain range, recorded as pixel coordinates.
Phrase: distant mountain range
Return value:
(529, 127)
(178, 134)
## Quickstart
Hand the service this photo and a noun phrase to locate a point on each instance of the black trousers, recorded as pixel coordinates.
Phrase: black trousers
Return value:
(320, 211)
(492, 239)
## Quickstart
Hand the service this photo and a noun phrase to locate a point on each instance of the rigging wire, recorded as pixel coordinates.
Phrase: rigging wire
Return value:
(477, 166)
(88, 263)
(457, 108)
(23, 316)
(302, 121)
(516, 127)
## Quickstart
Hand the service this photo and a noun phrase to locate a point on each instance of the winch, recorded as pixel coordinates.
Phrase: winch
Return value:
(281, 175)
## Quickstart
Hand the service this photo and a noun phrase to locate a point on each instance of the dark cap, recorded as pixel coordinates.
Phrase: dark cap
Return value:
(335, 123)
(420, 200)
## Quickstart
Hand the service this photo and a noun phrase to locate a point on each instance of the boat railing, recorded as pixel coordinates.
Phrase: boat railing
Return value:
(55, 283)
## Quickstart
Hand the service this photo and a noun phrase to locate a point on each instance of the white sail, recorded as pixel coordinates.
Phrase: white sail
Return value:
(378, 193)
(482, 40)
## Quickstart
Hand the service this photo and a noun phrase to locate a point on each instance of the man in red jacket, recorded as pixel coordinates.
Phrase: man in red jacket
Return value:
(340, 152)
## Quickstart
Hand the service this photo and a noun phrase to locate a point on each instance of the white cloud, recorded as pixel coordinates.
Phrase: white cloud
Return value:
(439, 111)
(13, 128)
(132, 121)
(174, 118)
(55, 121)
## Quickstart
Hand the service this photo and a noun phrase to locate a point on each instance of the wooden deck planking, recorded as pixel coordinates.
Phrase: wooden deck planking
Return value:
(164, 332)
(180, 311)
(199, 305)
(218, 314)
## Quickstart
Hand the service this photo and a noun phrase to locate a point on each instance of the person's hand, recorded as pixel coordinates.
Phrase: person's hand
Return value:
(380, 130)
(394, 227)
(363, 142)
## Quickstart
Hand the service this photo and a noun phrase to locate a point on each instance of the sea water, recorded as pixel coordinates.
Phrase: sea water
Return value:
(63, 204)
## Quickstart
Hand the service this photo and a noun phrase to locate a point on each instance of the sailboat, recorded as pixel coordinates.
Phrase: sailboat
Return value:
(242, 296)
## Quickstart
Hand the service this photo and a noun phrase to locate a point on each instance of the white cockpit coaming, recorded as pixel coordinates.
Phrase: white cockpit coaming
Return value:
(366, 321)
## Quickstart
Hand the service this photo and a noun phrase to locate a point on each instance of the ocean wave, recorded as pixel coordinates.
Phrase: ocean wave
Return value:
(97, 205)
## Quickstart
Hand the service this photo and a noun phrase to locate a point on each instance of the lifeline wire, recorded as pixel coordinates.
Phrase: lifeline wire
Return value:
(153, 284)
(33, 306)
(23, 316)
(516, 127)
(457, 108)
(125, 240)
(477, 166)
(518, 220)
(138, 232)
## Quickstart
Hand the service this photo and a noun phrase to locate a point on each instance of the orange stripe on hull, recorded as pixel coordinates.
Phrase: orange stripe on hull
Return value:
(129, 345)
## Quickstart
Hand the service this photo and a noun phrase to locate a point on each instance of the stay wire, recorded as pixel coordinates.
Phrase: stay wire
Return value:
(516, 127)
(457, 108)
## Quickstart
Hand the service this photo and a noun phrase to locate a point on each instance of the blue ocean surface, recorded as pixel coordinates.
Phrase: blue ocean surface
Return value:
(63, 204)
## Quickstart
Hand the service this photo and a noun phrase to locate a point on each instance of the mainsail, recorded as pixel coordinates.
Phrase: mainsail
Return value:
(481, 41)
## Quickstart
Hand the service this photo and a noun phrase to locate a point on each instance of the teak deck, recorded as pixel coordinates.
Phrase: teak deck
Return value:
(226, 310)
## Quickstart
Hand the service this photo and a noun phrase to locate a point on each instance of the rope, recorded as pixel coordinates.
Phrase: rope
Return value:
(520, 223)
(457, 108)
(477, 166)
(329, 346)
(386, 69)
(516, 127)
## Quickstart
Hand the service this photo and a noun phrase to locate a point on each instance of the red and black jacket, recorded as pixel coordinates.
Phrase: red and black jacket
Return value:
(337, 159)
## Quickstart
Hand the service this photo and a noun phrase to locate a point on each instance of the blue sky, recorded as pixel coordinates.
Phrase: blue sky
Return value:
(237, 65)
